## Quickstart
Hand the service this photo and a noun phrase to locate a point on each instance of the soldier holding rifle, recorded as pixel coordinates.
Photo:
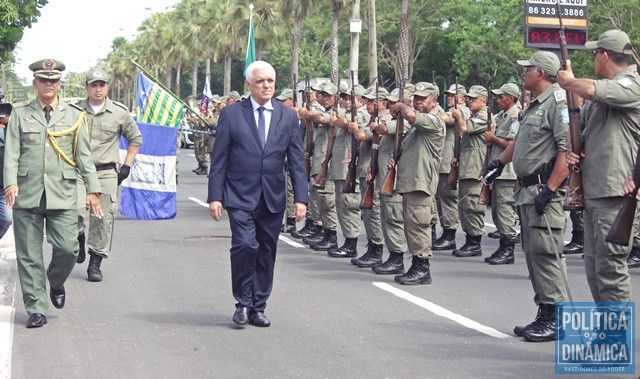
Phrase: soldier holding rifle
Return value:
(538, 154)
(611, 114)
(417, 177)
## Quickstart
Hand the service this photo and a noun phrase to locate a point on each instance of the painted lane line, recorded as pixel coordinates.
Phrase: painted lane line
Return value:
(281, 238)
(440, 311)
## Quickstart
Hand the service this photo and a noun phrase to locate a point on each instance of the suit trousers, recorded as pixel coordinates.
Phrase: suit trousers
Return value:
(62, 233)
(254, 239)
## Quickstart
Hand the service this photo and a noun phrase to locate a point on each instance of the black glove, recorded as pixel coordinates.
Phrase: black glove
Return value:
(493, 165)
(543, 198)
(124, 173)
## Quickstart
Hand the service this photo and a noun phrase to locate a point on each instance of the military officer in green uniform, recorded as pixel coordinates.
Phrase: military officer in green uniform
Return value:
(371, 217)
(347, 204)
(473, 150)
(46, 141)
(538, 155)
(447, 199)
(503, 204)
(417, 177)
(611, 114)
(108, 120)
(390, 206)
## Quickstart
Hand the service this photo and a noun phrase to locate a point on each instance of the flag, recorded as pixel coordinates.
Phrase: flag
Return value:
(156, 106)
(206, 96)
(251, 43)
(149, 193)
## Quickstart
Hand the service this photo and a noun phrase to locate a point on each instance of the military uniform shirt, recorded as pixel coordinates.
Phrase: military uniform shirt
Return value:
(542, 134)
(449, 139)
(473, 147)
(611, 134)
(506, 127)
(342, 146)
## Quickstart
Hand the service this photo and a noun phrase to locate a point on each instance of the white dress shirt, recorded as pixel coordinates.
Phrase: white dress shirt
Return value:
(268, 110)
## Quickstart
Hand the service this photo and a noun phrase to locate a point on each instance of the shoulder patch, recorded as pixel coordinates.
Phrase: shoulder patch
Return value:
(21, 104)
(625, 82)
(120, 105)
(513, 127)
(564, 113)
(560, 96)
(76, 106)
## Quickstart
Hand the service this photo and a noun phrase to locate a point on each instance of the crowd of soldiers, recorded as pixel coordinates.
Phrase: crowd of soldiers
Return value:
(520, 151)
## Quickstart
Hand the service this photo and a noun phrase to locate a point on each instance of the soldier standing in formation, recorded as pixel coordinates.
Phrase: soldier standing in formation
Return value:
(286, 98)
(47, 140)
(503, 204)
(538, 155)
(108, 120)
(473, 150)
(611, 114)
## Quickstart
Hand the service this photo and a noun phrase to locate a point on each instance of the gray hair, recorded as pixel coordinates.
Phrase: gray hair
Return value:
(259, 65)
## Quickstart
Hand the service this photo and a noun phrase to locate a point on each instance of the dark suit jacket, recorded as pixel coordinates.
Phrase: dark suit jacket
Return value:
(241, 170)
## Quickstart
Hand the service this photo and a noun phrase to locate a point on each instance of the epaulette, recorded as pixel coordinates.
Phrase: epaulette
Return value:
(76, 106)
(120, 105)
(21, 104)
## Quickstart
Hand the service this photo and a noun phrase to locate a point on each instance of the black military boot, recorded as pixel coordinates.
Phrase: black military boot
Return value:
(545, 330)
(471, 247)
(290, 225)
(348, 250)
(495, 254)
(418, 273)
(446, 242)
(372, 257)
(520, 330)
(306, 229)
(505, 254)
(633, 260)
(315, 238)
(95, 275)
(202, 170)
(393, 265)
(81, 251)
(330, 242)
(576, 244)
(494, 235)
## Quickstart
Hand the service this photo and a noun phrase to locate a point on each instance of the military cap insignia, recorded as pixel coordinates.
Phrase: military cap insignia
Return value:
(327, 86)
(396, 92)
(420, 87)
(473, 90)
(48, 64)
(97, 74)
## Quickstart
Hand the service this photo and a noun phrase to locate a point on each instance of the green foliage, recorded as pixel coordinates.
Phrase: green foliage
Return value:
(15, 15)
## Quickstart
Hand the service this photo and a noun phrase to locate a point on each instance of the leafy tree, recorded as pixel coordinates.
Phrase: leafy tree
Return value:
(15, 15)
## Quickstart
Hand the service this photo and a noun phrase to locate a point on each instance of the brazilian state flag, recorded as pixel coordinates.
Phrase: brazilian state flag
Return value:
(156, 106)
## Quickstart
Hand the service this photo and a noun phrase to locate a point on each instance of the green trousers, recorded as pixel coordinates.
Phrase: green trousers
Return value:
(447, 204)
(471, 213)
(348, 209)
(100, 230)
(417, 208)
(503, 208)
(371, 217)
(393, 223)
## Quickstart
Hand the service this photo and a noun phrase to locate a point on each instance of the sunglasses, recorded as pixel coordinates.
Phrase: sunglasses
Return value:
(595, 52)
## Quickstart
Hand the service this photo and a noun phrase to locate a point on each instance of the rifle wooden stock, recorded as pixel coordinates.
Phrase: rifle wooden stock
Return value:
(367, 199)
(485, 193)
(452, 179)
(308, 150)
(574, 198)
(389, 181)
(622, 226)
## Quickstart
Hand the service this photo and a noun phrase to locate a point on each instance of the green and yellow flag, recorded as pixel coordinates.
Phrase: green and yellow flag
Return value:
(156, 106)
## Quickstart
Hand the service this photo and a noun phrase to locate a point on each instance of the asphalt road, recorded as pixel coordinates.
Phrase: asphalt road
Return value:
(164, 310)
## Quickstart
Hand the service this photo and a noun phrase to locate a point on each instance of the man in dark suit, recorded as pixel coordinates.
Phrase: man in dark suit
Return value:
(247, 178)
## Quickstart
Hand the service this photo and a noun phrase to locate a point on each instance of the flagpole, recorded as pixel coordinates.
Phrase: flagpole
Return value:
(156, 81)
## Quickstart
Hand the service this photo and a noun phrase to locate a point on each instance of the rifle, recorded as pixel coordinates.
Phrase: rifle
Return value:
(350, 181)
(485, 194)
(367, 199)
(452, 180)
(574, 199)
(321, 178)
(623, 224)
(308, 151)
(389, 181)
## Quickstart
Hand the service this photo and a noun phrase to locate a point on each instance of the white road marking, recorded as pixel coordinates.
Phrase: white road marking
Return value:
(281, 238)
(6, 334)
(199, 202)
(191, 154)
(440, 311)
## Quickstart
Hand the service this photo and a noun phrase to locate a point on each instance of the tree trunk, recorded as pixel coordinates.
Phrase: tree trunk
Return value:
(194, 77)
(207, 65)
(167, 77)
(373, 42)
(402, 71)
(178, 75)
(334, 41)
(295, 41)
(227, 73)
(355, 43)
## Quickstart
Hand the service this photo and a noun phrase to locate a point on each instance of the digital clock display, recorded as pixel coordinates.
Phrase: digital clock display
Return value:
(542, 36)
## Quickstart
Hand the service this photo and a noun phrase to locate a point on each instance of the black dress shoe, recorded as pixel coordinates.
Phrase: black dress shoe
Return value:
(241, 316)
(57, 297)
(259, 319)
(36, 320)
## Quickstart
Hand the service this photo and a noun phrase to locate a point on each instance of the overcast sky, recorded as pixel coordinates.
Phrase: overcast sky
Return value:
(79, 32)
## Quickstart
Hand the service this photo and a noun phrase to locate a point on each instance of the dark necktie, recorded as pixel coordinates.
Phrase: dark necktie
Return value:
(47, 113)
(261, 128)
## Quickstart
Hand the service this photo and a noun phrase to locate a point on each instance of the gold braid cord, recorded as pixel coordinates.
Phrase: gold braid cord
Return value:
(82, 120)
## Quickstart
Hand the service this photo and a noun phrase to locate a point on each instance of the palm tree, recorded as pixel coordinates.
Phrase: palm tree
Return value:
(189, 13)
(300, 9)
